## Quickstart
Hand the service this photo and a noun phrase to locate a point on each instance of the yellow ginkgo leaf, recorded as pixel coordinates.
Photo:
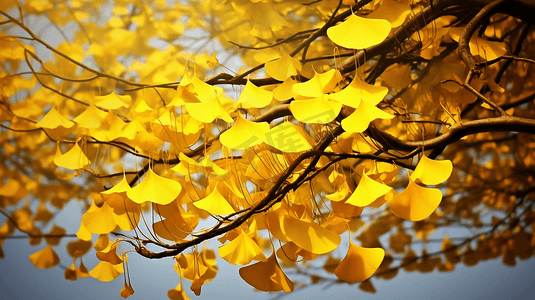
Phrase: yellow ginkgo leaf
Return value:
(359, 90)
(155, 189)
(310, 236)
(117, 199)
(215, 204)
(112, 101)
(488, 50)
(267, 276)
(284, 67)
(415, 203)
(287, 138)
(244, 134)
(110, 255)
(73, 159)
(53, 119)
(319, 84)
(178, 293)
(127, 290)
(367, 191)
(359, 263)
(92, 117)
(253, 96)
(84, 234)
(318, 110)
(241, 250)
(394, 12)
(104, 271)
(99, 220)
(81, 271)
(431, 172)
(44, 258)
(284, 91)
(360, 119)
(208, 110)
(274, 224)
(359, 33)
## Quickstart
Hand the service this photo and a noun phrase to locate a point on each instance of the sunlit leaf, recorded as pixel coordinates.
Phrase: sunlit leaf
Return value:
(283, 67)
(415, 203)
(215, 204)
(105, 272)
(367, 191)
(241, 251)
(310, 236)
(267, 276)
(253, 96)
(244, 134)
(73, 159)
(359, 33)
(432, 172)
(155, 189)
(318, 110)
(359, 263)
(112, 101)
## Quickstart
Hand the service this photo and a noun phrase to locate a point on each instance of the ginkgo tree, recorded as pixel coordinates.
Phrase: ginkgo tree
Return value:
(342, 123)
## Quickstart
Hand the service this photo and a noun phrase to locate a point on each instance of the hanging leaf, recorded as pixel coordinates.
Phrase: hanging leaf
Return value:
(359, 33)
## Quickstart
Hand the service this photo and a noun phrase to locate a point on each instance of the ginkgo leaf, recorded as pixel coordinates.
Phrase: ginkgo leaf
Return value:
(359, 90)
(318, 110)
(155, 189)
(244, 134)
(432, 172)
(92, 117)
(284, 67)
(118, 200)
(127, 290)
(53, 119)
(73, 159)
(241, 250)
(318, 85)
(112, 101)
(367, 191)
(267, 276)
(415, 203)
(70, 272)
(78, 248)
(488, 50)
(110, 255)
(54, 235)
(287, 138)
(99, 220)
(208, 111)
(81, 271)
(359, 263)
(215, 204)
(359, 33)
(83, 234)
(44, 258)
(284, 91)
(310, 236)
(106, 272)
(274, 221)
(394, 12)
(178, 293)
(253, 96)
(360, 119)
